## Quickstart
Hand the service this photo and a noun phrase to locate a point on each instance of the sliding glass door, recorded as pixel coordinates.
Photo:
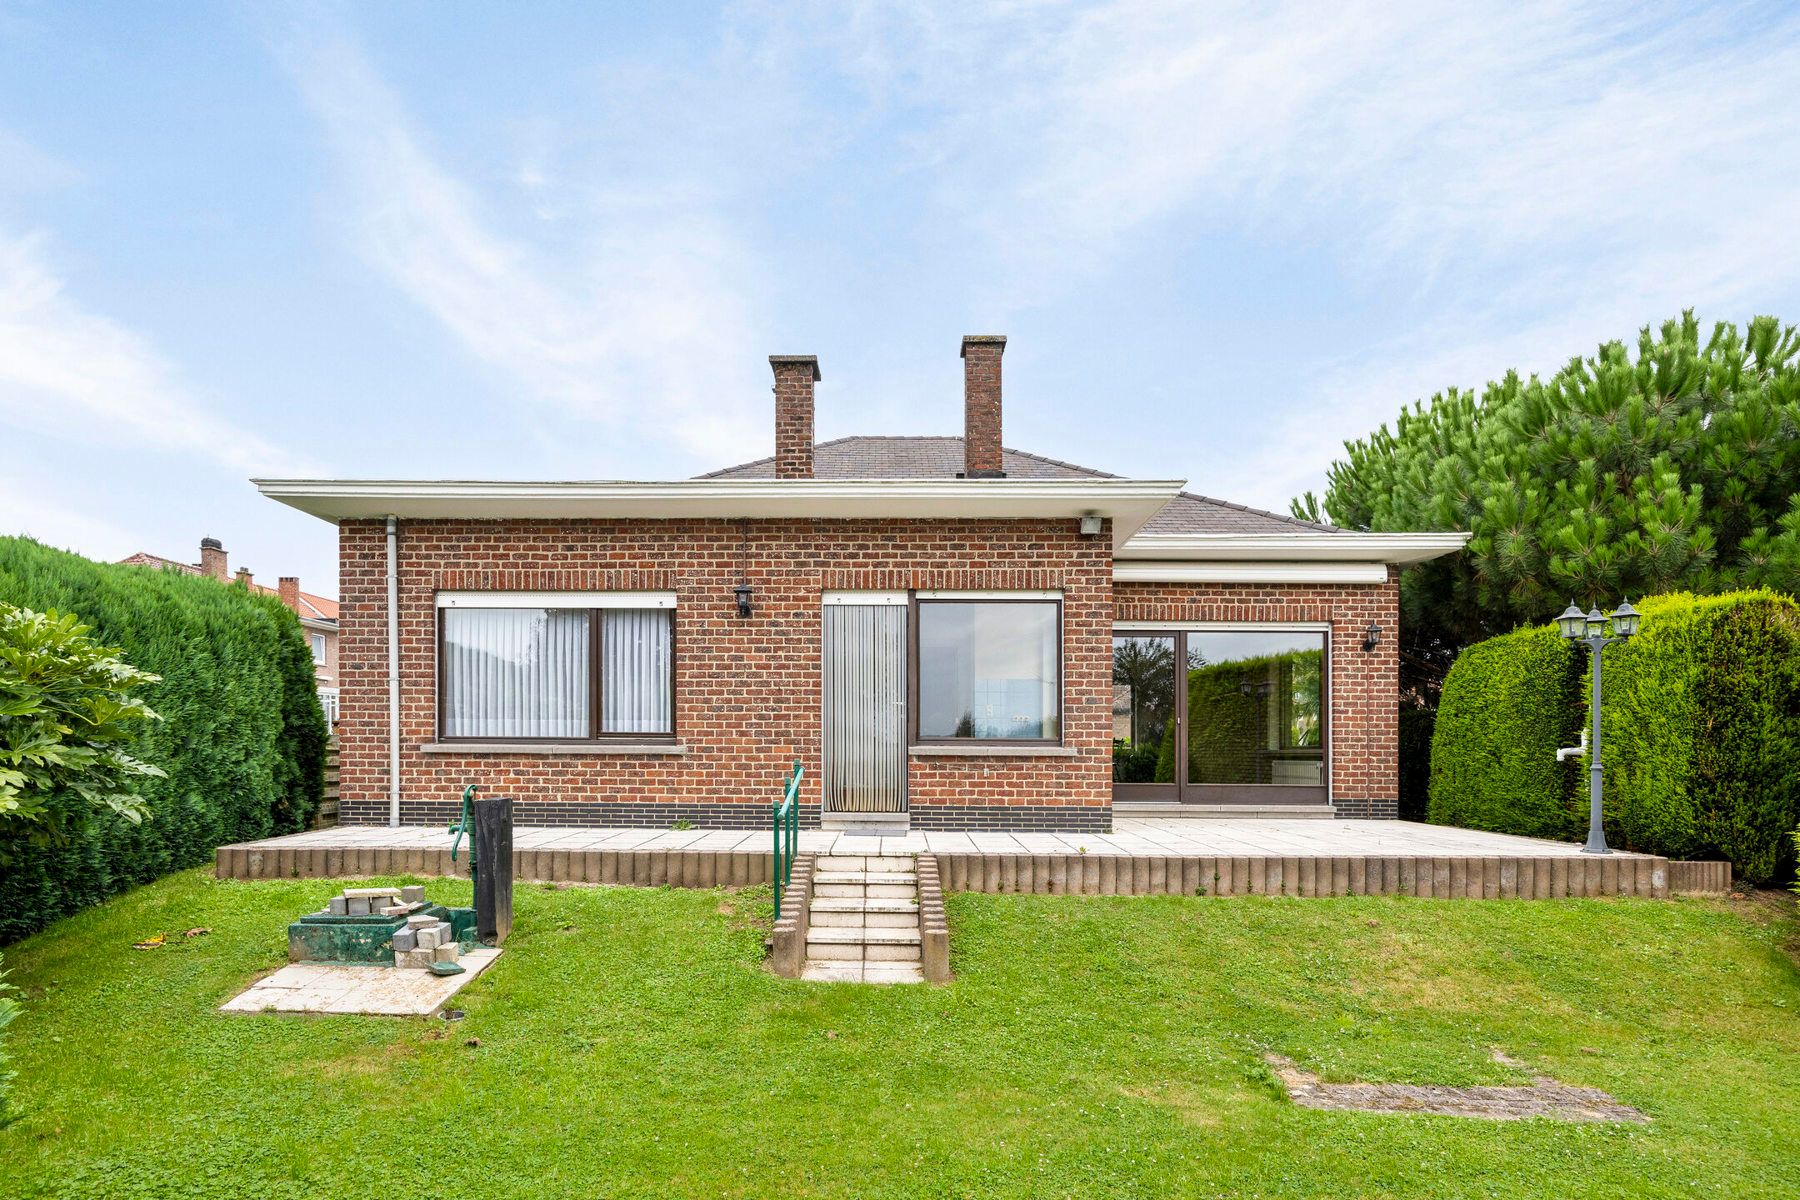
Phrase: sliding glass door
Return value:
(1220, 716)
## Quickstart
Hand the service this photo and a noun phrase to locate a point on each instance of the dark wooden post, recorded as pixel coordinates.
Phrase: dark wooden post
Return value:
(494, 869)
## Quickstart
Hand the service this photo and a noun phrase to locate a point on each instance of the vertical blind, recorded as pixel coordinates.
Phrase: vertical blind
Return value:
(516, 672)
(635, 647)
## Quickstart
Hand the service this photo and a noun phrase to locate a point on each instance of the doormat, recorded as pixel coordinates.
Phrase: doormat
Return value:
(1544, 1097)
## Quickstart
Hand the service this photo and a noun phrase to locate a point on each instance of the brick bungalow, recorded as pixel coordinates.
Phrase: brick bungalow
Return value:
(947, 633)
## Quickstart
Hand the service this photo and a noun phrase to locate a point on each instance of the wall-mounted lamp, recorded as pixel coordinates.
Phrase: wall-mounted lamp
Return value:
(1090, 524)
(1371, 638)
(743, 594)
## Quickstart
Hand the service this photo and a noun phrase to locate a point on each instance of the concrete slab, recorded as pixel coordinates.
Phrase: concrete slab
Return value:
(376, 991)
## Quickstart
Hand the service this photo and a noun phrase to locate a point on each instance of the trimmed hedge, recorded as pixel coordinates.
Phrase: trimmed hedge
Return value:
(1701, 727)
(242, 737)
(1508, 704)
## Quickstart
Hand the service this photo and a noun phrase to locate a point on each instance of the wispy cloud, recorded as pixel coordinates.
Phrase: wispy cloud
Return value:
(1536, 175)
(642, 322)
(85, 378)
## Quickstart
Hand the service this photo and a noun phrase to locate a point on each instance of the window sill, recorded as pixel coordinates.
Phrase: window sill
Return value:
(559, 749)
(991, 750)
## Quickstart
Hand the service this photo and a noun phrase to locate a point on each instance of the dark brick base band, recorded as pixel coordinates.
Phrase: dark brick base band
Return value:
(663, 815)
(585, 814)
(1382, 808)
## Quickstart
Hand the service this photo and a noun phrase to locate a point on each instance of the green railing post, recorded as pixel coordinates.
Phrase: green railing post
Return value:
(785, 827)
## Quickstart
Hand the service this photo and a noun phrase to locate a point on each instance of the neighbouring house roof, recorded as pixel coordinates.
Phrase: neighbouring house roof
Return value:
(942, 458)
(312, 607)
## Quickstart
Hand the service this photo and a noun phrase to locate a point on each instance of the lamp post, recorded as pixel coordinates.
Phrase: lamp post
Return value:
(1590, 627)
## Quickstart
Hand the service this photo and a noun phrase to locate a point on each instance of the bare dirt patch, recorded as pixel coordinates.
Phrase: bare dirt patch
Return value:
(1543, 1097)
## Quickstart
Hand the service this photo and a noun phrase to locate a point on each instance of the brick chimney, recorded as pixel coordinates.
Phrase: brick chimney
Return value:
(795, 375)
(212, 558)
(288, 588)
(243, 576)
(981, 405)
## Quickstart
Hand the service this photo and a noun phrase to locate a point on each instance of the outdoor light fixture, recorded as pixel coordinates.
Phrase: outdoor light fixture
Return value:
(1591, 627)
(1090, 524)
(743, 593)
(1371, 638)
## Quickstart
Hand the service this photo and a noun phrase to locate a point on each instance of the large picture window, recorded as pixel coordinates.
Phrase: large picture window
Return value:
(1220, 715)
(550, 673)
(989, 670)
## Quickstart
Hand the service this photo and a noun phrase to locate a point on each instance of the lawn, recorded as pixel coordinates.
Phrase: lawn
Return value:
(628, 1044)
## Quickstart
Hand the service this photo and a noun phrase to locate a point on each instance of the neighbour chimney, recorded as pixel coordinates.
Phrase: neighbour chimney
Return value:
(795, 375)
(981, 405)
(289, 591)
(243, 576)
(212, 558)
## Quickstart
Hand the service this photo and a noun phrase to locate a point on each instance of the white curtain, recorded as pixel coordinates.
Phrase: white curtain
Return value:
(515, 672)
(635, 645)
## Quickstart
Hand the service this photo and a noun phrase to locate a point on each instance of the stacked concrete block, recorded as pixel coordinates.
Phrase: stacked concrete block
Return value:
(423, 941)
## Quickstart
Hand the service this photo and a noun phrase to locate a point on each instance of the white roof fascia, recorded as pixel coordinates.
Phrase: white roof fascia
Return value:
(1129, 502)
(1249, 572)
(1337, 546)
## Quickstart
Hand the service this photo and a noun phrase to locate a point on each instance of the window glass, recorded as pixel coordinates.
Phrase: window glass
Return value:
(318, 647)
(636, 648)
(515, 672)
(1254, 707)
(989, 669)
(1144, 708)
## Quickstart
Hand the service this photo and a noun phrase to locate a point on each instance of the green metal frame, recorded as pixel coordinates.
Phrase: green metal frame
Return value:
(786, 819)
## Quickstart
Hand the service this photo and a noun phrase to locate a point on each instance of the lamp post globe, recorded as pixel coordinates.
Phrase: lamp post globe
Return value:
(1572, 622)
(1625, 620)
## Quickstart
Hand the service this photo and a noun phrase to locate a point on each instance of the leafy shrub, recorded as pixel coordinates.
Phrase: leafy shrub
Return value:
(1508, 704)
(241, 742)
(65, 712)
(9, 1008)
(1701, 726)
(8, 1011)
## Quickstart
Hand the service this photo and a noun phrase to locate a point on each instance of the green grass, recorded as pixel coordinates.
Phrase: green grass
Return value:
(630, 1044)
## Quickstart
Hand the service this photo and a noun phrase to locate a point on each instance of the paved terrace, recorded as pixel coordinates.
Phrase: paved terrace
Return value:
(1141, 856)
(1131, 836)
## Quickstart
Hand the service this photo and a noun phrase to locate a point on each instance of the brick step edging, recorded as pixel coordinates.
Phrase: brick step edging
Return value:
(1487, 877)
(1484, 877)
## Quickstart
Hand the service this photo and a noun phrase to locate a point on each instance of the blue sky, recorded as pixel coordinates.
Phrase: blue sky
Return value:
(559, 241)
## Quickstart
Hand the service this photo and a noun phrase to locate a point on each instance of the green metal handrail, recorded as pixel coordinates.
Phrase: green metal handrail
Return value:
(786, 816)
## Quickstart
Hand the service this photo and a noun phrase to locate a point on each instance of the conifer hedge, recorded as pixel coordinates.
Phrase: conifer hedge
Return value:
(242, 737)
(1508, 704)
(1701, 726)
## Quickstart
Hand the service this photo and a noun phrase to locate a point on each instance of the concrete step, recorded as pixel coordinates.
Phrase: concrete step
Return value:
(862, 904)
(862, 972)
(863, 862)
(869, 937)
(862, 920)
(1243, 812)
(866, 878)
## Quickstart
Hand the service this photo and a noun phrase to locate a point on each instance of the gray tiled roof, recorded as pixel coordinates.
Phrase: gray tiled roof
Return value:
(942, 458)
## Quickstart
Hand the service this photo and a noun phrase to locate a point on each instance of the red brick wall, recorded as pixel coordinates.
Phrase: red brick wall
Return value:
(794, 378)
(1363, 741)
(981, 405)
(747, 690)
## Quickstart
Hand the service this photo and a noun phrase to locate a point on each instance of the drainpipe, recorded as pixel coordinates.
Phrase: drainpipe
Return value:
(393, 670)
